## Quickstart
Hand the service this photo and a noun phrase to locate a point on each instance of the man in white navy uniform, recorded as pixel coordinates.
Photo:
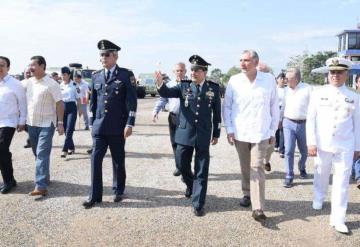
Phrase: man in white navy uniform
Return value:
(333, 129)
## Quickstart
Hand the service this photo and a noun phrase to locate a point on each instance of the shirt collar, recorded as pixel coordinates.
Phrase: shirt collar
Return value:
(111, 69)
(6, 78)
(40, 80)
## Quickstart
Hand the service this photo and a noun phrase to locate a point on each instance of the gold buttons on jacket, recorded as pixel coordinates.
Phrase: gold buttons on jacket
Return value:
(196, 120)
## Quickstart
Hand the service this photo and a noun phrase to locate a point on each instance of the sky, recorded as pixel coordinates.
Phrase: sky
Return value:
(155, 34)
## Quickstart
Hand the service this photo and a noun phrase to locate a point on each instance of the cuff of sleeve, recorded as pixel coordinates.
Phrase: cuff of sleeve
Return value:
(311, 142)
(131, 121)
(229, 130)
(273, 132)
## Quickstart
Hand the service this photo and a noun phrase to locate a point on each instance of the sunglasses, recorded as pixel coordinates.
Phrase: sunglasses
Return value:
(105, 54)
(337, 72)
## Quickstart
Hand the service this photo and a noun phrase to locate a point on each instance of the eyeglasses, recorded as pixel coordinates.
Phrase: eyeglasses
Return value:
(105, 54)
(336, 72)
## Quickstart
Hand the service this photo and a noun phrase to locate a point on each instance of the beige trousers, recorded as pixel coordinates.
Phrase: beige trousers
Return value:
(269, 152)
(251, 156)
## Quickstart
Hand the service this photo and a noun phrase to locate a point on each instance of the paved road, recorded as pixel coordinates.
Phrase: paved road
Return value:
(155, 212)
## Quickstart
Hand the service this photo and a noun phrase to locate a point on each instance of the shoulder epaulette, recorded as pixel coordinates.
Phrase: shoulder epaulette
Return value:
(213, 83)
(121, 68)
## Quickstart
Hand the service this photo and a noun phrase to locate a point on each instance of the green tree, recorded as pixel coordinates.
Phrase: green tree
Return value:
(232, 71)
(216, 75)
(306, 63)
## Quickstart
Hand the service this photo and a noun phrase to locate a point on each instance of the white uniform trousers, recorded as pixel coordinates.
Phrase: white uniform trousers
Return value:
(342, 163)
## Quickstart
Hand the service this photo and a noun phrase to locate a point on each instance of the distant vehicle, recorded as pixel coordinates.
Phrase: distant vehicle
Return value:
(147, 80)
(85, 73)
(140, 90)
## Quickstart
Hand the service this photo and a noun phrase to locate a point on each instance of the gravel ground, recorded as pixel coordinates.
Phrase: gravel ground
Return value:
(155, 212)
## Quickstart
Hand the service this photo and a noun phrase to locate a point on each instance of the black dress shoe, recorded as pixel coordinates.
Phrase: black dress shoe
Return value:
(259, 215)
(118, 198)
(8, 187)
(188, 192)
(245, 201)
(199, 212)
(90, 203)
(177, 173)
(89, 151)
(267, 167)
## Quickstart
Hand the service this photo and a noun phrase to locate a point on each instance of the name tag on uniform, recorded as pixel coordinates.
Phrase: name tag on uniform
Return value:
(324, 99)
(347, 100)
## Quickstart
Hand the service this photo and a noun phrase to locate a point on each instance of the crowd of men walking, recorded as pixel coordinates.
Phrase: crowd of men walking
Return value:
(261, 114)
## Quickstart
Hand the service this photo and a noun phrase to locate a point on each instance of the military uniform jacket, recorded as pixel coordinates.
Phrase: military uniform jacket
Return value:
(200, 114)
(333, 119)
(113, 102)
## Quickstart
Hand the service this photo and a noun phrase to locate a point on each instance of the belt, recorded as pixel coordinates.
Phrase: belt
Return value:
(173, 114)
(297, 121)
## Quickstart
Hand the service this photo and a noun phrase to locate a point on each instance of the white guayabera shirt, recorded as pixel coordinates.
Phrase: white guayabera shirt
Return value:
(251, 109)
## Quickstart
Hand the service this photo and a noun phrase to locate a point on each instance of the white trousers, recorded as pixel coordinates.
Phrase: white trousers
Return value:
(342, 163)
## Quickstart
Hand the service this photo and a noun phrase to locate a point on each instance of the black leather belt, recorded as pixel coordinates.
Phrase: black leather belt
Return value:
(171, 113)
(297, 121)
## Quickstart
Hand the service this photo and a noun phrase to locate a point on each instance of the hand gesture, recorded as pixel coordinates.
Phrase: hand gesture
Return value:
(155, 117)
(158, 78)
(214, 141)
(312, 151)
(231, 138)
(60, 129)
(127, 132)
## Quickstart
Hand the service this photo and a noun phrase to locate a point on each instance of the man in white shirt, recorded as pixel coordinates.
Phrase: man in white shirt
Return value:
(294, 113)
(84, 90)
(251, 117)
(45, 112)
(174, 106)
(333, 135)
(12, 116)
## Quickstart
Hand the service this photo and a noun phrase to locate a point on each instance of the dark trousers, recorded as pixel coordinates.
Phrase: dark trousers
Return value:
(173, 122)
(198, 181)
(70, 115)
(279, 143)
(6, 135)
(116, 143)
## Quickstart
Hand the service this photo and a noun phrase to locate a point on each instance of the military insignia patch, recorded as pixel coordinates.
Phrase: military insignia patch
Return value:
(102, 45)
(117, 81)
(133, 80)
(210, 94)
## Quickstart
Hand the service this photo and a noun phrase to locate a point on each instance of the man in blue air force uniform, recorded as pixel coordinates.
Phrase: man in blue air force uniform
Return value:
(199, 125)
(113, 105)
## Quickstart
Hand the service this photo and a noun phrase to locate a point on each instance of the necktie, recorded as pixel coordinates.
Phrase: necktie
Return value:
(198, 89)
(108, 75)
